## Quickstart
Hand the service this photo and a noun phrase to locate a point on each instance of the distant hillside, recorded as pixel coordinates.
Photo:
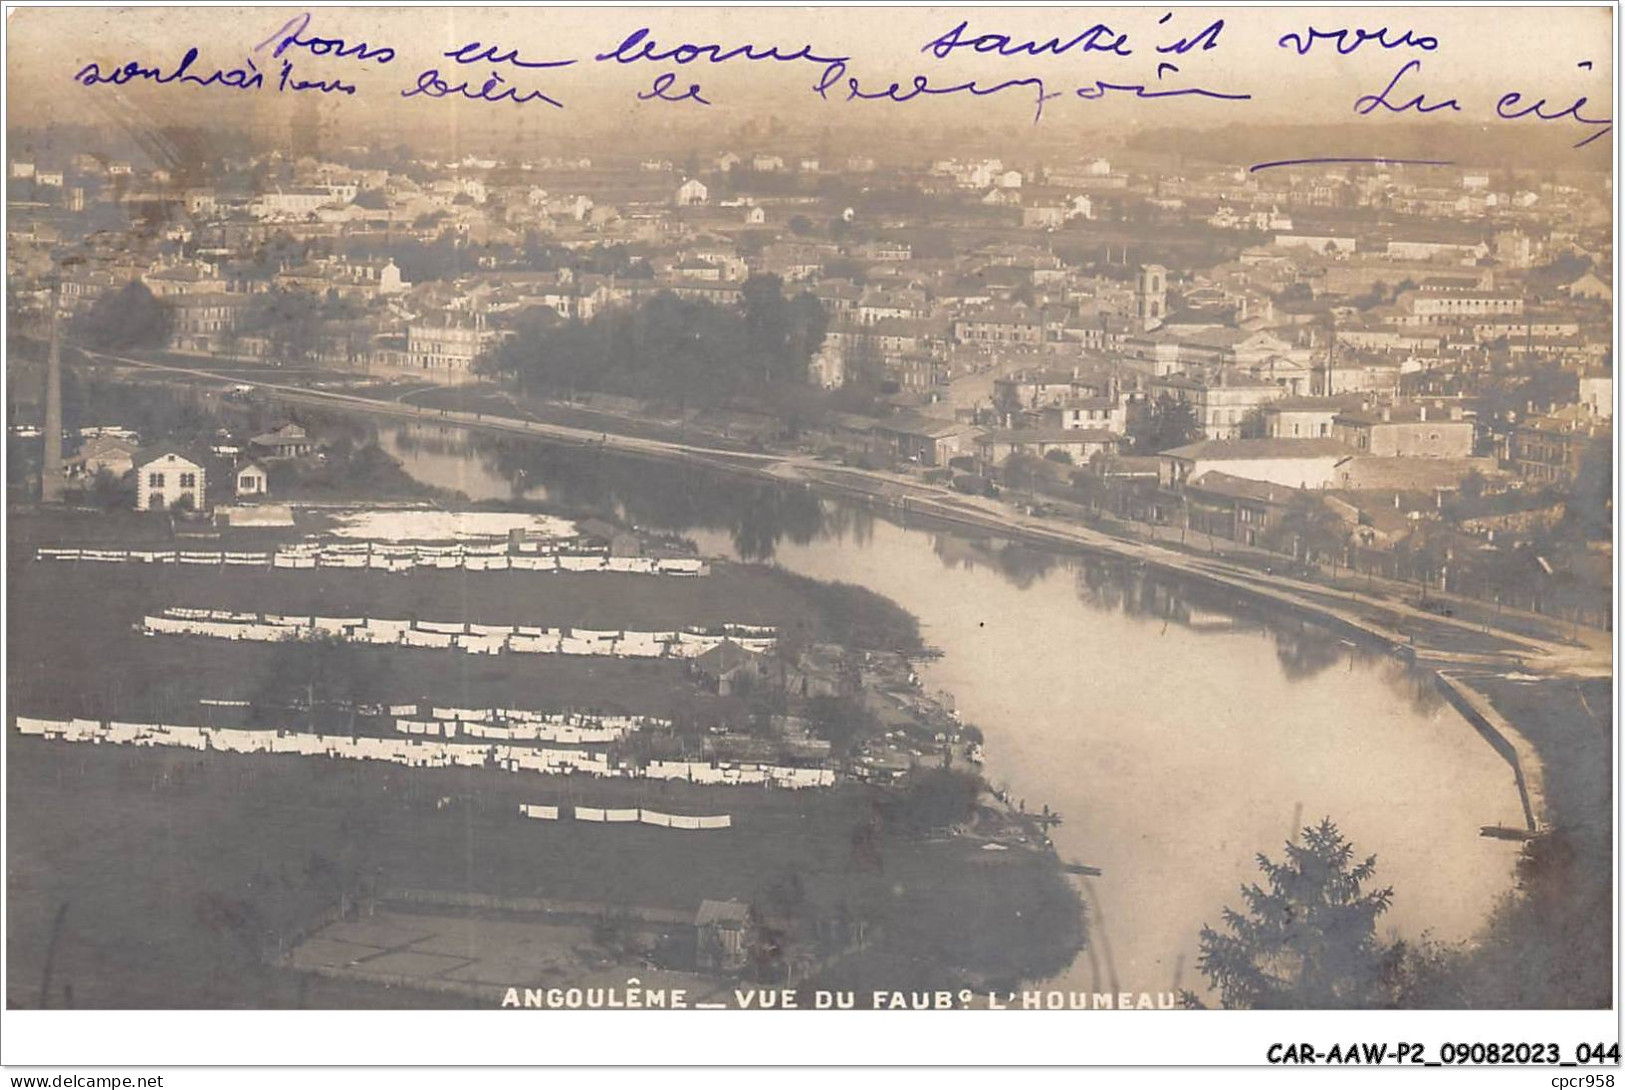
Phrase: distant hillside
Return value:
(1493, 146)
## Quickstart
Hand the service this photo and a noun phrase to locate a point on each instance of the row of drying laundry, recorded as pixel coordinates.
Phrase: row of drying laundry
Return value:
(416, 753)
(522, 715)
(378, 561)
(639, 816)
(467, 636)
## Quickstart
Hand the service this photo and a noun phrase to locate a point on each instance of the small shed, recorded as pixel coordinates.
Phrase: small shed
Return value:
(251, 479)
(729, 667)
(722, 935)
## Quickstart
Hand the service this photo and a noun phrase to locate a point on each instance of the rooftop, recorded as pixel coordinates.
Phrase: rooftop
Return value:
(1244, 450)
(1239, 488)
(1050, 435)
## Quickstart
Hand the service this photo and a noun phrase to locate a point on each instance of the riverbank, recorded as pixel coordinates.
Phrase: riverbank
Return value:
(176, 866)
(1431, 636)
(1432, 639)
(180, 880)
(1413, 636)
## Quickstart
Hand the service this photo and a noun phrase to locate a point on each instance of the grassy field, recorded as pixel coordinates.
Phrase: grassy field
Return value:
(74, 651)
(174, 873)
(177, 872)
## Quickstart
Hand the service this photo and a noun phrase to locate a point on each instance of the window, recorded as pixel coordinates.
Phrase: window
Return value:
(188, 480)
(246, 481)
(155, 501)
(155, 480)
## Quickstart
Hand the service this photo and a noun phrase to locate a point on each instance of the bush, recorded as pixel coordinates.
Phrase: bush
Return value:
(934, 798)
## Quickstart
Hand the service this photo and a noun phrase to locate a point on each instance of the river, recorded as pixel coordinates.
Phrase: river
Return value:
(1177, 729)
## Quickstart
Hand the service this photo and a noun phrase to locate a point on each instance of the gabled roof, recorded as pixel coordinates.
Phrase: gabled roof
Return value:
(725, 657)
(722, 914)
(152, 454)
(1338, 403)
(1051, 435)
(924, 426)
(1401, 413)
(1239, 488)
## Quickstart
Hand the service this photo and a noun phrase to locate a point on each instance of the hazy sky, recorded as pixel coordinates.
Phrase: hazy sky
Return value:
(1480, 54)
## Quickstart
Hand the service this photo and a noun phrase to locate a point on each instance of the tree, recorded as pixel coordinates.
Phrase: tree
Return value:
(684, 351)
(1059, 454)
(1590, 509)
(781, 333)
(841, 721)
(290, 320)
(1310, 529)
(933, 798)
(1472, 485)
(1021, 471)
(109, 490)
(1253, 425)
(1168, 423)
(130, 318)
(1307, 940)
(312, 671)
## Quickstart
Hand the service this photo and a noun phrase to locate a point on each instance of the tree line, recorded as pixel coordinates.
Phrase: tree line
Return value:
(684, 351)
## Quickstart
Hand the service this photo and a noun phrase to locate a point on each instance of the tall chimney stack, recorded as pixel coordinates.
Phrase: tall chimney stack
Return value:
(50, 485)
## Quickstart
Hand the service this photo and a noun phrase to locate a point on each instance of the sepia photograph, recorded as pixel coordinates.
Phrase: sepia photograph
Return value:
(847, 512)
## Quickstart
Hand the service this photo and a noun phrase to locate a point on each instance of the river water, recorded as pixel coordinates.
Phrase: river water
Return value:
(1177, 729)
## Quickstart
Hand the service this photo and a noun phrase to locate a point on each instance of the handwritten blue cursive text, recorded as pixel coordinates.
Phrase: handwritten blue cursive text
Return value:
(289, 36)
(492, 90)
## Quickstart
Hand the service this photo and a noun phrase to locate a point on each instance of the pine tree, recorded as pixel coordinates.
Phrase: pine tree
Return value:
(1308, 937)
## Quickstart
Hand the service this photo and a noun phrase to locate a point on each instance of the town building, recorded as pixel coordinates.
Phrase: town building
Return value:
(996, 445)
(1406, 430)
(1226, 406)
(288, 441)
(692, 193)
(1307, 417)
(447, 346)
(1295, 463)
(1236, 508)
(925, 440)
(111, 453)
(165, 478)
(1551, 449)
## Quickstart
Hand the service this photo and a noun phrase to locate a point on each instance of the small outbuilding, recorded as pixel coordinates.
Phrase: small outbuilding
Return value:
(250, 479)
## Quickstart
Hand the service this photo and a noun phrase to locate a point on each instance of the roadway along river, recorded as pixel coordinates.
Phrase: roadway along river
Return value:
(1177, 731)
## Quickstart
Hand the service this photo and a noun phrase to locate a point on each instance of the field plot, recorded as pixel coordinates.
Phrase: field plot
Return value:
(404, 525)
(476, 955)
(78, 654)
(180, 879)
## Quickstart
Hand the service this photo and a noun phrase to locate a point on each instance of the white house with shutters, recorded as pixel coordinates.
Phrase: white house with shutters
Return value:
(164, 478)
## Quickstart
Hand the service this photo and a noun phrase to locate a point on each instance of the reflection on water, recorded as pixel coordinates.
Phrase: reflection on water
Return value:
(1178, 728)
(758, 514)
